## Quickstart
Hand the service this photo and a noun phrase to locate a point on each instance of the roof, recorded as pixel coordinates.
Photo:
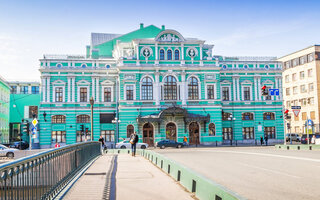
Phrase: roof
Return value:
(315, 45)
(99, 38)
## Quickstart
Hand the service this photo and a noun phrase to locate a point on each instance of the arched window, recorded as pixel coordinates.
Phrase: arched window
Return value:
(170, 88)
(147, 89)
(83, 119)
(226, 116)
(161, 54)
(58, 119)
(130, 130)
(193, 88)
(176, 54)
(268, 116)
(169, 55)
(212, 129)
(247, 116)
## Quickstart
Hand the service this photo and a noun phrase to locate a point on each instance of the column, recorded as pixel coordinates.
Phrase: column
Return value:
(234, 89)
(43, 85)
(259, 88)
(280, 89)
(201, 57)
(156, 51)
(183, 88)
(156, 87)
(48, 89)
(182, 54)
(277, 87)
(29, 89)
(97, 90)
(69, 86)
(73, 89)
(255, 89)
(238, 89)
(93, 87)
(137, 53)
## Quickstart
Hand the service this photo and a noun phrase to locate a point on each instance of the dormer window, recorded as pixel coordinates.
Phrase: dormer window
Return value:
(161, 54)
(169, 54)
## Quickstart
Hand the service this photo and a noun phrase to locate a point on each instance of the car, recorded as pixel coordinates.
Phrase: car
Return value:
(125, 144)
(19, 145)
(169, 143)
(304, 139)
(293, 136)
(6, 151)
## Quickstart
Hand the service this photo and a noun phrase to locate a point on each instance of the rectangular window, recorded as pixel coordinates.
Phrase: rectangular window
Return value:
(35, 89)
(225, 94)
(310, 87)
(303, 102)
(311, 101)
(287, 78)
(14, 89)
(108, 135)
(83, 136)
(288, 105)
(270, 131)
(310, 72)
(248, 133)
(83, 95)
(129, 92)
(287, 91)
(287, 64)
(294, 77)
(313, 115)
(295, 90)
(24, 89)
(301, 60)
(210, 91)
(58, 136)
(268, 97)
(301, 75)
(303, 88)
(227, 133)
(304, 116)
(106, 117)
(310, 57)
(107, 94)
(246, 93)
(58, 94)
(33, 111)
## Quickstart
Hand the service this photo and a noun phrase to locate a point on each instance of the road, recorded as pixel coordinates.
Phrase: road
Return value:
(256, 172)
(21, 154)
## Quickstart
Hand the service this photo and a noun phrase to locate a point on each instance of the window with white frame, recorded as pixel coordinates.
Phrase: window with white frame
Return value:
(83, 94)
(287, 78)
(302, 75)
(169, 54)
(246, 93)
(294, 77)
(129, 92)
(310, 72)
(248, 133)
(107, 94)
(295, 90)
(193, 89)
(147, 89)
(210, 91)
(311, 87)
(161, 54)
(225, 94)
(176, 54)
(58, 94)
(303, 88)
(170, 88)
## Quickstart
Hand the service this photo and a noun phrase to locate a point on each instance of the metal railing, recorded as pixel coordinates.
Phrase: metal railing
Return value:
(43, 175)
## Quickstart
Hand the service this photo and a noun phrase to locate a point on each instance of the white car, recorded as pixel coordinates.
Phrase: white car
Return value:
(6, 151)
(125, 144)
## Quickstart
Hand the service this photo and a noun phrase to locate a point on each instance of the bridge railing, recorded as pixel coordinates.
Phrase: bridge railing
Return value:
(43, 175)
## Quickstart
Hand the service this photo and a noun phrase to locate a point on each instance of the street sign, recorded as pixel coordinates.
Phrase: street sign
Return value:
(34, 129)
(310, 122)
(295, 107)
(34, 122)
(296, 112)
(274, 92)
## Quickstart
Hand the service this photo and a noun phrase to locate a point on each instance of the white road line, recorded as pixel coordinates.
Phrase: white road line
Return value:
(269, 170)
(265, 154)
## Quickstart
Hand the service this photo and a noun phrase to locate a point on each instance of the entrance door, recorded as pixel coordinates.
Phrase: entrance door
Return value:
(148, 134)
(194, 133)
(171, 131)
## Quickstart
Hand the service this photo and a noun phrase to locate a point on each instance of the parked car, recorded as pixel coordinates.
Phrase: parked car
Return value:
(293, 136)
(20, 145)
(125, 144)
(169, 143)
(6, 151)
(304, 139)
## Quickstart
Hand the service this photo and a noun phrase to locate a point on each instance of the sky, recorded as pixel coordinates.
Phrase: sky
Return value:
(29, 29)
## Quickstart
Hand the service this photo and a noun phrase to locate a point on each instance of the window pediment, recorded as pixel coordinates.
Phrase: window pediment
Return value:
(58, 82)
(169, 36)
(107, 82)
(83, 82)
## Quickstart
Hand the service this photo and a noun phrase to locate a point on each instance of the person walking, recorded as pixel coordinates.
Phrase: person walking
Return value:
(313, 139)
(261, 140)
(185, 141)
(101, 140)
(266, 139)
(134, 138)
(57, 145)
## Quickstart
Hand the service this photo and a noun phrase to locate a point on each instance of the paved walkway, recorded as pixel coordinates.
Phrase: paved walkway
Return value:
(125, 177)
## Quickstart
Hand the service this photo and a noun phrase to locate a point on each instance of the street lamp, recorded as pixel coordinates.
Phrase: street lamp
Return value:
(44, 115)
(116, 121)
(91, 103)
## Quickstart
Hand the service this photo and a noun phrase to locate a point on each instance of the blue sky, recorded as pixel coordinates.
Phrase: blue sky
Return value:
(29, 29)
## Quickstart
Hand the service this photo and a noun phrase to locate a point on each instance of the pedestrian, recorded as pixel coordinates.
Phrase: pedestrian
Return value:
(101, 140)
(313, 139)
(134, 138)
(261, 140)
(57, 145)
(266, 139)
(185, 141)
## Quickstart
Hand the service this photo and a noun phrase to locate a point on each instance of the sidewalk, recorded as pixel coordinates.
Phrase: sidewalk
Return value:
(133, 178)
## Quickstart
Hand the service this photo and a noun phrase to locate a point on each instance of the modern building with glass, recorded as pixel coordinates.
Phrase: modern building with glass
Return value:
(4, 110)
(162, 85)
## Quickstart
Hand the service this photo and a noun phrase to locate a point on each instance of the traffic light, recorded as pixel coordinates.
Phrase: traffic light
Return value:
(87, 130)
(82, 128)
(286, 114)
(26, 127)
(288, 126)
(264, 91)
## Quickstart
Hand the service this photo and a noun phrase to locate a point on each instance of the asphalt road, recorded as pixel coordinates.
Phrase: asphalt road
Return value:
(256, 172)
(20, 154)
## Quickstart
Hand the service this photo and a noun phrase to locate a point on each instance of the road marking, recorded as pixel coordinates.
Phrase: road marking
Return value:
(265, 154)
(269, 170)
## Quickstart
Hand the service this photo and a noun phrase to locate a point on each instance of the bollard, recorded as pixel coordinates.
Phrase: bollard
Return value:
(156, 160)
(310, 147)
(216, 143)
(298, 147)
(118, 151)
(288, 147)
(179, 174)
(168, 169)
(128, 151)
(161, 164)
(218, 198)
(194, 183)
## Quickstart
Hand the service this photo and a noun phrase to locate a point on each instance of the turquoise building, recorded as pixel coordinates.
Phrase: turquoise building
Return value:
(162, 85)
(4, 110)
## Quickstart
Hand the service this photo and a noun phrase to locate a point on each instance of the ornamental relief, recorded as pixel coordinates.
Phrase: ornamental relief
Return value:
(192, 52)
(129, 77)
(146, 52)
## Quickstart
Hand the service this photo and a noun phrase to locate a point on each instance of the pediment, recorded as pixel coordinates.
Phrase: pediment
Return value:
(246, 82)
(83, 82)
(225, 82)
(107, 82)
(169, 36)
(267, 82)
(58, 82)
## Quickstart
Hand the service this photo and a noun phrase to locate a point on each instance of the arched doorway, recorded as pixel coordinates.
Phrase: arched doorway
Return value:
(171, 131)
(148, 134)
(194, 133)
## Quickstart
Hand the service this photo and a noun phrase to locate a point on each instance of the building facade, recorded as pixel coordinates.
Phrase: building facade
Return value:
(24, 105)
(162, 85)
(4, 111)
(301, 84)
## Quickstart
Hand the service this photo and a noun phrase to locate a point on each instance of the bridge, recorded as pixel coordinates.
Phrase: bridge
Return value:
(83, 171)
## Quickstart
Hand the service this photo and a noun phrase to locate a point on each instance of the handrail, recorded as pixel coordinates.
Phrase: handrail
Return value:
(43, 175)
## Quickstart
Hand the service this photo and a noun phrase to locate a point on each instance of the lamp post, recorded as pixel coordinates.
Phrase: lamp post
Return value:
(116, 121)
(91, 103)
(44, 115)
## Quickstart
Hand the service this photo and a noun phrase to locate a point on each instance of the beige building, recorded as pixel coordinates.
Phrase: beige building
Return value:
(301, 86)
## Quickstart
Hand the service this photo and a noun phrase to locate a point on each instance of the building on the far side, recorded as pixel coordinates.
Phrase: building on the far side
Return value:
(4, 110)
(24, 105)
(301, 84)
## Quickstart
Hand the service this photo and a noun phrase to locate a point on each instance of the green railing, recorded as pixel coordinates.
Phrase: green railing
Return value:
(42, 176)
